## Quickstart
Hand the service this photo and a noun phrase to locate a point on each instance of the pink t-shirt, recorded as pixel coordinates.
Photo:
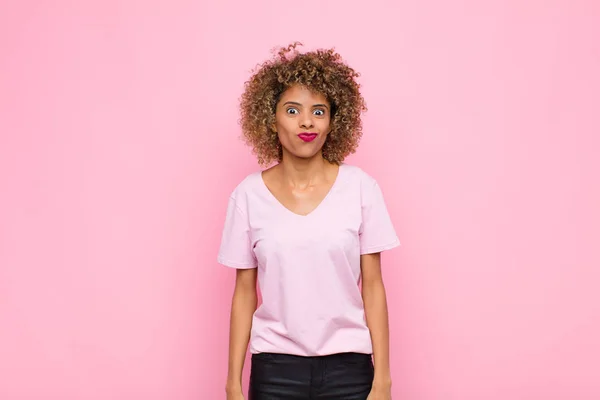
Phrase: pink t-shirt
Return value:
(308, 266)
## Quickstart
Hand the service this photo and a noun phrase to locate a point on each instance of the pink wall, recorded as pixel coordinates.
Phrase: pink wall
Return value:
(117, 125)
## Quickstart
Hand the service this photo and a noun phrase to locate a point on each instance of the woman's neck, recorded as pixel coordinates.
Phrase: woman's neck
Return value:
(301, 172)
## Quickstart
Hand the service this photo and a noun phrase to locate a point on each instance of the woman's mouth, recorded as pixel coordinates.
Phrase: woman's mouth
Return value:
(307, 136)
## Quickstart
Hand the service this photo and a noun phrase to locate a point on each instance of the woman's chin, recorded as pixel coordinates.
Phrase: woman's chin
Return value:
(306, 155)
(305, 152)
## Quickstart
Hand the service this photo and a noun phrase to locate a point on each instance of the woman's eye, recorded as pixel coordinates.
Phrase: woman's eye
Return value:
(292, 111)
(319, 113)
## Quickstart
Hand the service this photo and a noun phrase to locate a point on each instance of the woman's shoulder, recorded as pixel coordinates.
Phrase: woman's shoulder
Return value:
(358, 174)
(248, 184)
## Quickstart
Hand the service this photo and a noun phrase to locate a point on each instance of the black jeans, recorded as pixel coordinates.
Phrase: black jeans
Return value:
(344, 376)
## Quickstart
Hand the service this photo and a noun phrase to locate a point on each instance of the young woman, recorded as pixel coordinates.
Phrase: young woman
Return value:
(310, 229)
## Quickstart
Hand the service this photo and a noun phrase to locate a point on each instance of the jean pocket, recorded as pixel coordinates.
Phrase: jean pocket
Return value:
(356, 359)
(263, 357)
(351, 366)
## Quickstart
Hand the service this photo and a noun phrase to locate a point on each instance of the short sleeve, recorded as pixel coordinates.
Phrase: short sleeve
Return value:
(236, 250)
(377, 232)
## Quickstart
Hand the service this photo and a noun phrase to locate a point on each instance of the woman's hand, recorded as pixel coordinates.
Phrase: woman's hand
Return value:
(380, 392)
(235, 394)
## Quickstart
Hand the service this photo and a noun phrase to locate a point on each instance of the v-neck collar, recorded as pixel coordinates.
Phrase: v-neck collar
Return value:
(314, 210)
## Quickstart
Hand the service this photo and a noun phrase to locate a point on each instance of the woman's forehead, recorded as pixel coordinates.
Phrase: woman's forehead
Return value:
(303, 95)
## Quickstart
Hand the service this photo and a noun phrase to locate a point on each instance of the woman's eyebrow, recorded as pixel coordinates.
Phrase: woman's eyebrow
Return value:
(300, 105)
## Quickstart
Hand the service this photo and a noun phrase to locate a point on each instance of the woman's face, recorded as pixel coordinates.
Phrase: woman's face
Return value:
(302, 120)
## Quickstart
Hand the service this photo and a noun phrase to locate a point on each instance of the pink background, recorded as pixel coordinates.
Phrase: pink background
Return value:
(118, 149)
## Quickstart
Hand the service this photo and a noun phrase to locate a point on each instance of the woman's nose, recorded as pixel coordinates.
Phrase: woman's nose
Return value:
(306, 122)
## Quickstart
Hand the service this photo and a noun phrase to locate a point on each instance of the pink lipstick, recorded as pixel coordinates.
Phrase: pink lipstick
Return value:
(307, 136)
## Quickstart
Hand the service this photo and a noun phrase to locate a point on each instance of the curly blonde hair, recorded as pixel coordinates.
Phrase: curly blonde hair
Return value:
(322, 71)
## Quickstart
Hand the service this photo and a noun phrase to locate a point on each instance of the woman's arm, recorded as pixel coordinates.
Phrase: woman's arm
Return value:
(376, 312)
(243, 306)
